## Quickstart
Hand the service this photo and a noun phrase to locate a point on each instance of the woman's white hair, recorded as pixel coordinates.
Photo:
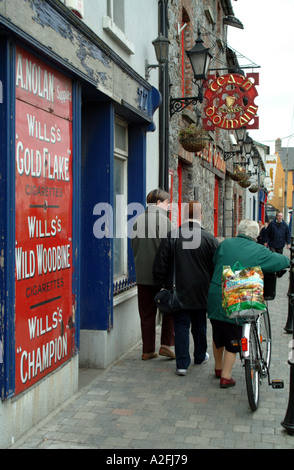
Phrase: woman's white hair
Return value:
(250, 228)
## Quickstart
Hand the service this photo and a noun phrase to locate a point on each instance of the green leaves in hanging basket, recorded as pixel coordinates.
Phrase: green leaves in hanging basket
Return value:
(239, 174)
(254, 188)
(193, 139)
(244, 183)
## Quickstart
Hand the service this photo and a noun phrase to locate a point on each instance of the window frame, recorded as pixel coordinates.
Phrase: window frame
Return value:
(115, 31)
(122, 156)
(112, 15)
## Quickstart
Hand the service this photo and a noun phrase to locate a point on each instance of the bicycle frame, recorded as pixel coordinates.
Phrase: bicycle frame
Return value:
(246, 344)
(255, 358)
(255, 344)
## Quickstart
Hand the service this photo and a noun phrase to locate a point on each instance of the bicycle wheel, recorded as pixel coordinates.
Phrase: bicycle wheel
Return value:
(252, 370)
(265, 341)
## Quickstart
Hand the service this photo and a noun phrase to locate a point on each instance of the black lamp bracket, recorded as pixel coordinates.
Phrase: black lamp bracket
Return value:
(252, 173)
(179, 104)
(244, 163)
(229, 155)
(149, 67)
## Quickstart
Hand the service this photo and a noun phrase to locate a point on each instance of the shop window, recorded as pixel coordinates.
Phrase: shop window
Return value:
(121, 138)
(120, 200)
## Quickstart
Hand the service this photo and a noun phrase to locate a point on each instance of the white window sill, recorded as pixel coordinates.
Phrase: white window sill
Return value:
(118, 35)
(128, 294)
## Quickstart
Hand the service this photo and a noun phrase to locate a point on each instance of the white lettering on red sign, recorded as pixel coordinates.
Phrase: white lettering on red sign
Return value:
(44, 304)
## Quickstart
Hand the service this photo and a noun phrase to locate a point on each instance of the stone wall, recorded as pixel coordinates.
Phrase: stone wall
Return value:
(198, 176)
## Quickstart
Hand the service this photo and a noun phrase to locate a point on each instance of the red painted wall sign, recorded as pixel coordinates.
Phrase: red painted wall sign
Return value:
(230, 102)
(213, 156)
(44, 304)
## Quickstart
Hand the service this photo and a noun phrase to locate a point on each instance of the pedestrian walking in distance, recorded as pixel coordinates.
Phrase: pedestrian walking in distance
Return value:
(148, 231)
(277, 234)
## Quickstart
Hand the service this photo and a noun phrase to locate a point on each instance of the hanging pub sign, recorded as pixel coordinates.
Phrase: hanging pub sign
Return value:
(44, 310)
(230, 102)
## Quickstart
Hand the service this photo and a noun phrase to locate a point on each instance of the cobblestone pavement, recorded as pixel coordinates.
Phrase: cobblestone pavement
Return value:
(137, 404)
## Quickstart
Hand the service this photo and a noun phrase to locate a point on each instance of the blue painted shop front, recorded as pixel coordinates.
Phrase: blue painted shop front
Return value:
(93, 284)
(97, 281)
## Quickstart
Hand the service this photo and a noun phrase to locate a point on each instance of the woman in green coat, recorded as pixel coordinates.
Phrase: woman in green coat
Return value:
(244, 249)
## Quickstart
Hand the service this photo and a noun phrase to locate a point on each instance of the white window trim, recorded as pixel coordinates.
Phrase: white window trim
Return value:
(124, 244)
(127, 295)
(118, 151)
(123, 156)
(117, 35)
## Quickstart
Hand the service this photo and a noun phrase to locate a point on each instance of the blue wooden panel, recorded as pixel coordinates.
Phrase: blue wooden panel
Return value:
(136, 178)
(97, 187)
(76, 216)
(7, 217)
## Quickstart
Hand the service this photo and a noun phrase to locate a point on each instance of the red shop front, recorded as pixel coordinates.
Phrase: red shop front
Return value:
(44, 300)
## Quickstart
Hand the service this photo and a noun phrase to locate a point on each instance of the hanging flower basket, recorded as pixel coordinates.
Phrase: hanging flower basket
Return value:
(235, 176)
(244, 177)
(193, 139)
(244, 183)
(239, 174)
(254, 188)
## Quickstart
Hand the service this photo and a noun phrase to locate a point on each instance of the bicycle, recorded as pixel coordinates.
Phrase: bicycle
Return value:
(255, 346)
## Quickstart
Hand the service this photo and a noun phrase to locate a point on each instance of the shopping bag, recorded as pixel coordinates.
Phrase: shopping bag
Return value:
(242, 291)
(167, 301)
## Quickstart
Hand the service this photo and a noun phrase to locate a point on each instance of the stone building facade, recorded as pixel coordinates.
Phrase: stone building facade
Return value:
(281, 170)
(203, 176)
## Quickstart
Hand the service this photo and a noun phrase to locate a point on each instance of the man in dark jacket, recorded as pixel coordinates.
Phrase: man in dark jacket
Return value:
(277, 234)
(195, 248)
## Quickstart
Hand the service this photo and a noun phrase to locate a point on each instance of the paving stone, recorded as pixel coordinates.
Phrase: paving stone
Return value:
(145, 405)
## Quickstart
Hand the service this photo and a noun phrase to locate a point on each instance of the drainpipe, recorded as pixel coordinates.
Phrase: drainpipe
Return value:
(164, 109)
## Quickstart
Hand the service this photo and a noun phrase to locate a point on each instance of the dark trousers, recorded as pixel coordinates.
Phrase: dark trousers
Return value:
(276, 250)
(148, 311)
(183, 320)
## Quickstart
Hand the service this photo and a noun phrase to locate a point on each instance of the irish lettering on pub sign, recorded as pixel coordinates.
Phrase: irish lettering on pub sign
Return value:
(229, 102)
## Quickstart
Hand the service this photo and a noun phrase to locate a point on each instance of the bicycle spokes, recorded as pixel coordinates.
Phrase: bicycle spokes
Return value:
(255, 351)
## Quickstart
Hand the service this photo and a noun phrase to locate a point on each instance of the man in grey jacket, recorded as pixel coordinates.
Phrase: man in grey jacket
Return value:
(148, 231)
